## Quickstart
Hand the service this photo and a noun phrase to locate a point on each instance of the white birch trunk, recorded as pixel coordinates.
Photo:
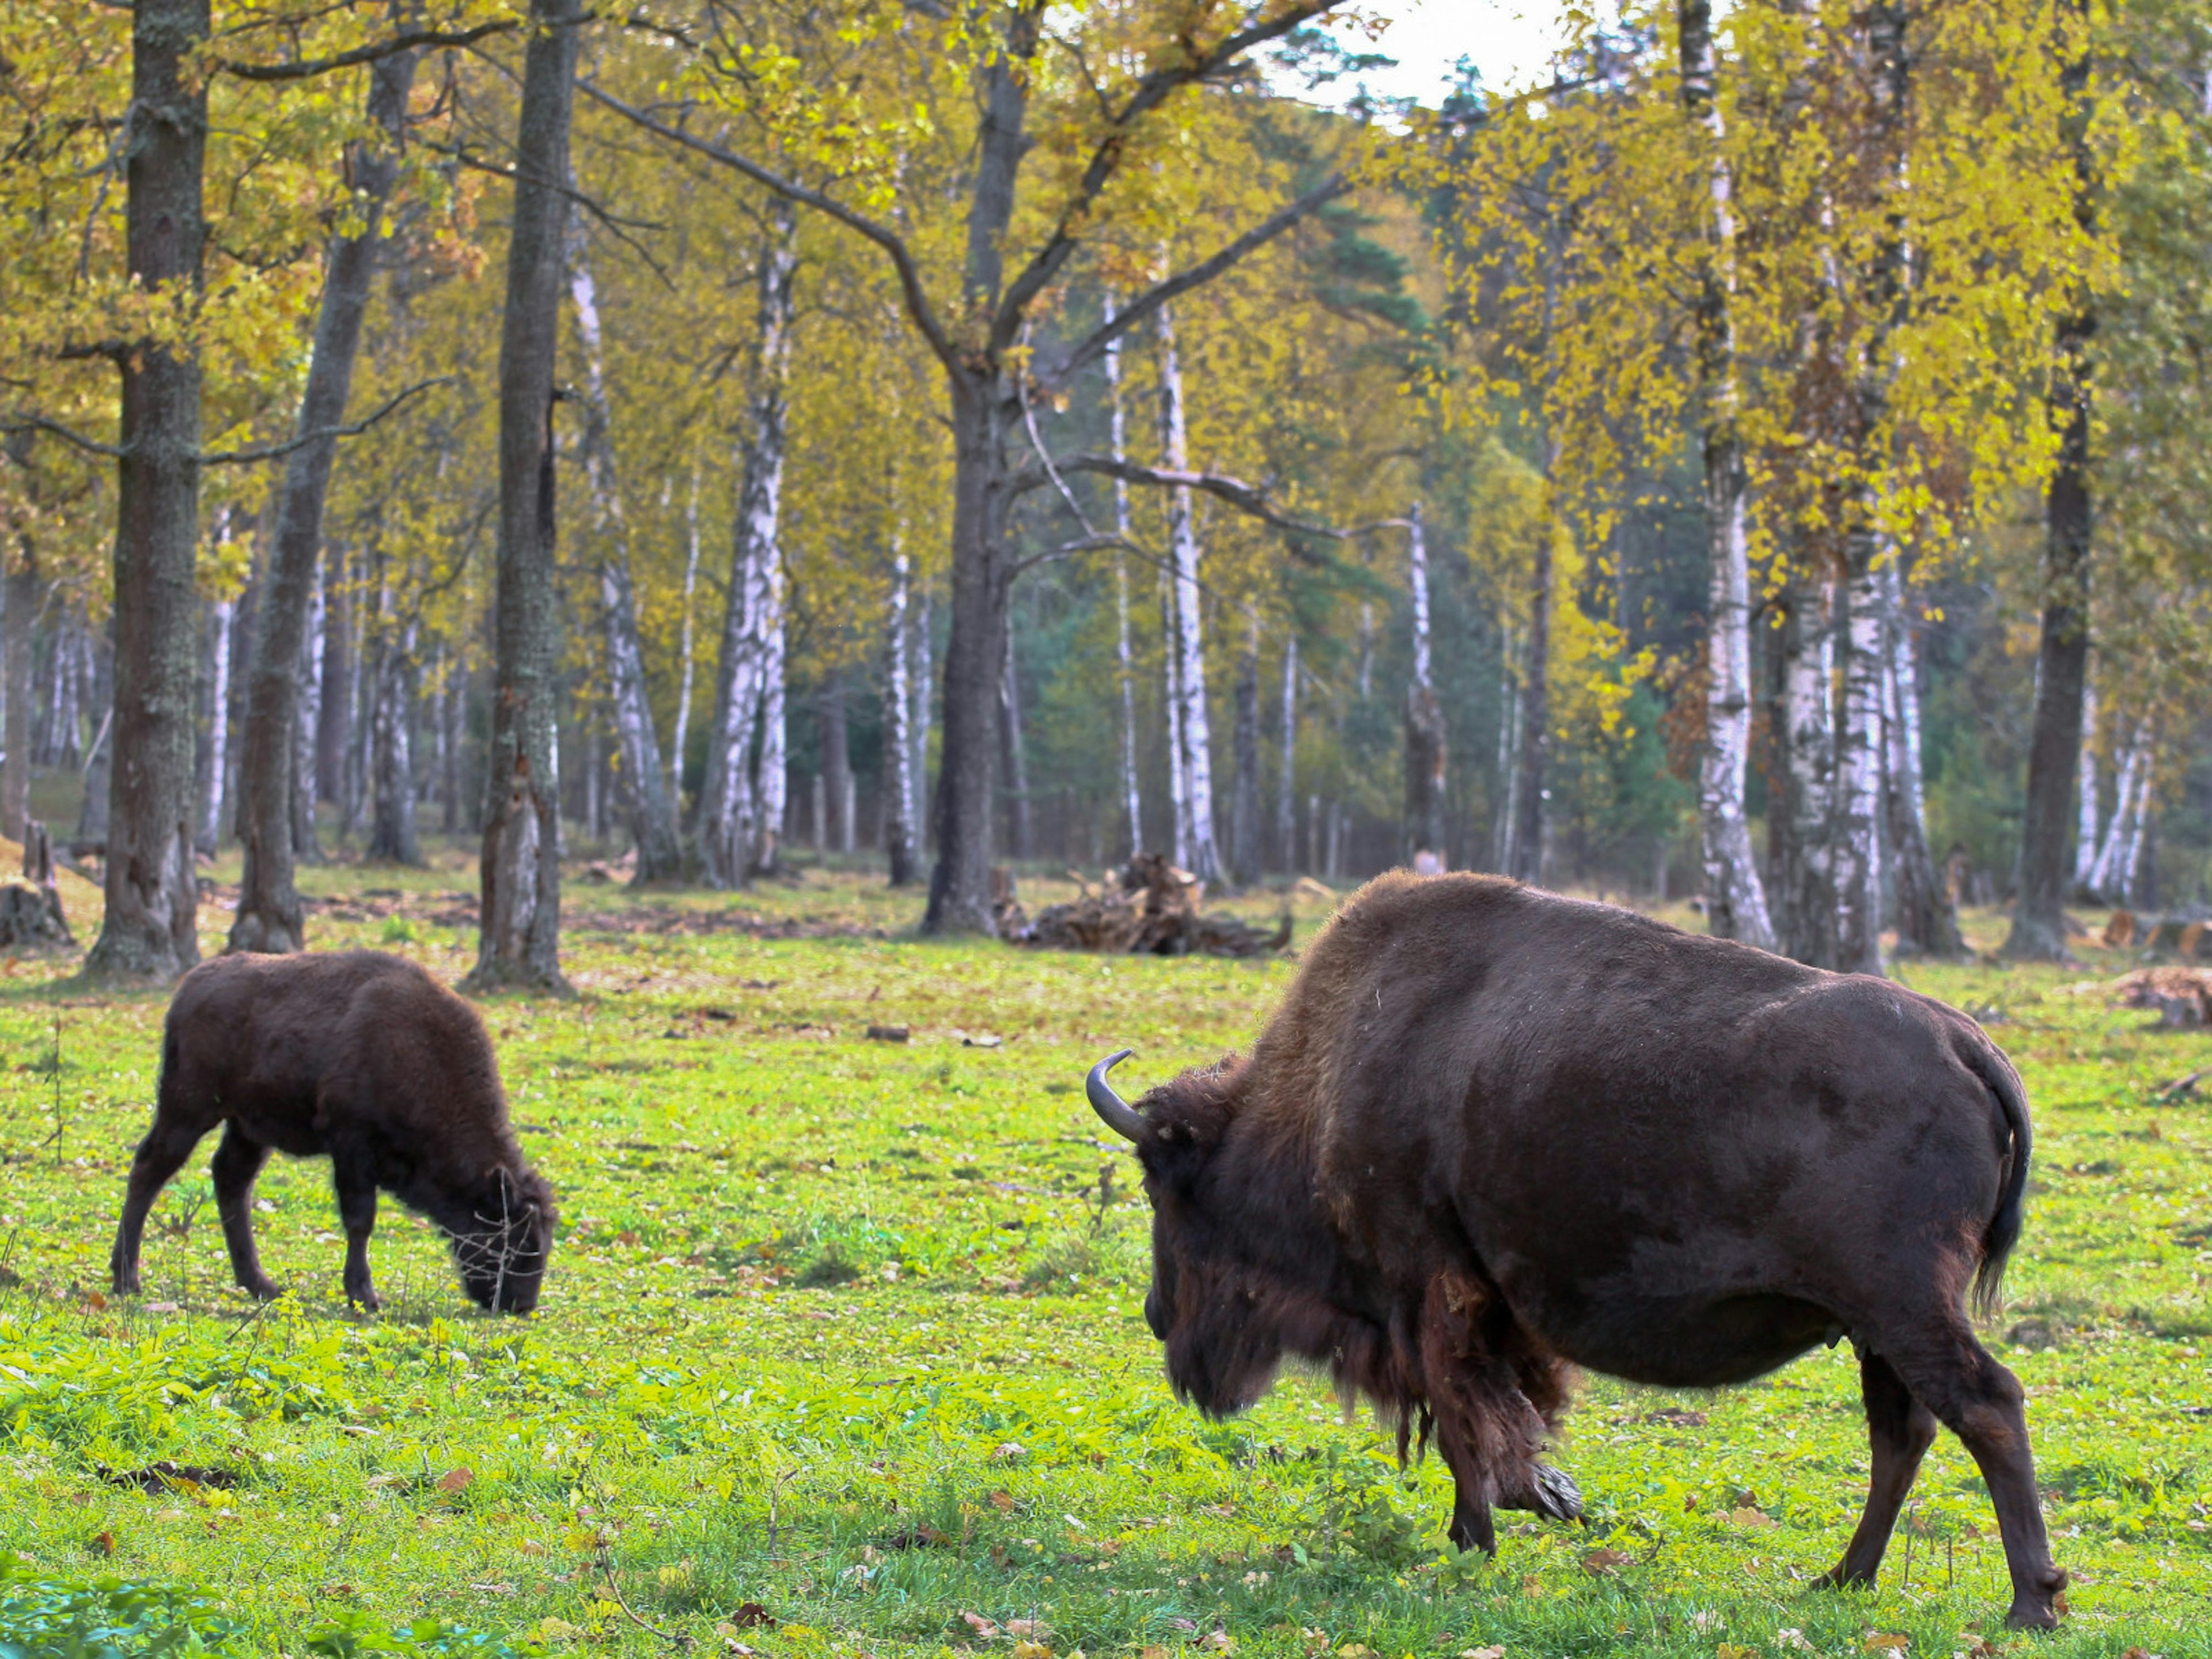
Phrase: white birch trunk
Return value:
(2085, 844)
(306, 728)
(1735, 898)
(1809, 710)
(775, 744)
(1509, 751)
(1133, 800)
(652, 820)
(680, 743)
(739, 818)
(924, 650)
(1190, 641)
(2105, 872)
(898, 737)
(1858, 779)
(1178, 784)
(2128, 865)
(210, 825)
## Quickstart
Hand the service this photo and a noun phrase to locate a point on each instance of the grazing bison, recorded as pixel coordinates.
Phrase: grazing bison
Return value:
(363, 1057)
(1492, 1134)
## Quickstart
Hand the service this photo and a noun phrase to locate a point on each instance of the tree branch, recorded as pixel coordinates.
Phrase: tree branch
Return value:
(1106, 157)
(41, 423)
(274, 452)
(1197, 275)
(917, 301)
(375, 51)
(1246, 498)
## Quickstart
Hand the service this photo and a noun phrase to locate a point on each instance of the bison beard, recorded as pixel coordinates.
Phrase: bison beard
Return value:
(1493, 1133)
(366, 1059)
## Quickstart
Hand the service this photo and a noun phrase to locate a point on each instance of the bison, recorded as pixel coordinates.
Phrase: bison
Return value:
(363, 1057)
(1493, 1133)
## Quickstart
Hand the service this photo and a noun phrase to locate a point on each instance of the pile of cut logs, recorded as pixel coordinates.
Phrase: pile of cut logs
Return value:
(1149, 909)
(31, 908)
(2184, 935)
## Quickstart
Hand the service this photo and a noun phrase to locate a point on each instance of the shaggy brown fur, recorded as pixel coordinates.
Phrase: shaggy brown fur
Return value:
(366, 1059)
(1492, 1134)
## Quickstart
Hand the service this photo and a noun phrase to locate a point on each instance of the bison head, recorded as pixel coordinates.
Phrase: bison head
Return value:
(501, 1249)
(1227, 1299)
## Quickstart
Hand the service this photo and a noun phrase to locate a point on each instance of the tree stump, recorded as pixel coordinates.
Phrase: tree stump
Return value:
(31, 908)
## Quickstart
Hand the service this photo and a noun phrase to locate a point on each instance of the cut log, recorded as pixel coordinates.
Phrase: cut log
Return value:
(2181, 935)
(1151, 907)
(31, 917)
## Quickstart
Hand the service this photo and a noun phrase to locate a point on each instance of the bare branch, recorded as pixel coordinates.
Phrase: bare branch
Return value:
(274, 452)
(1246, 498)
(1182, 282)
(41, 423)
(375, 51)
(1106, 157)
(909, 275)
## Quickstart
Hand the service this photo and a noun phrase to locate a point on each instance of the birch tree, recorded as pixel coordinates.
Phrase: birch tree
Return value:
(653, 815)
(1193, 731)
(1424, 719)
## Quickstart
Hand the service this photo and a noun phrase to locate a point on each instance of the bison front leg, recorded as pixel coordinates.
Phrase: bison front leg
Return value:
(160, 1156)
(238, 1161)
(355, 1177)
(1900, 1430)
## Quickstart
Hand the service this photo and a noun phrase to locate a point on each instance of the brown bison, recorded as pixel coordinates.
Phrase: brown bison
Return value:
(1492, 1134)
(363, 1057)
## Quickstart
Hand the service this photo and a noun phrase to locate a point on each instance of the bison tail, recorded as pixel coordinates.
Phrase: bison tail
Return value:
(2003, 1230)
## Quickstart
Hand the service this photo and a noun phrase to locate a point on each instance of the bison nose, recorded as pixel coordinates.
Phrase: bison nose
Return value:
(1153, 1316)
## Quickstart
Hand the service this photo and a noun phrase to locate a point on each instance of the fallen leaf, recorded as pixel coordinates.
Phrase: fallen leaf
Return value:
(1002, 1500)
(454, 1480)
(1153, 1653)
(1888, 1642)
(728, 1632)
(1731, 1650)
(1355, 1650)
(95, 1301)
(557, 1630)
(1497, 1650)
(751, 1613)
(1010, 1451)
(1747, 1516)
(1031, 1650)
(1220, 1641)
(1600, 1562)
(105, 1543)
(984, 1629)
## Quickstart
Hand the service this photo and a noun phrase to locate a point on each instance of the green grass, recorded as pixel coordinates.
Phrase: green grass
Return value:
(842, 1328)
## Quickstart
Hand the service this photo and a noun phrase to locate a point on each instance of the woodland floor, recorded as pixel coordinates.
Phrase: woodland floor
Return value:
(842, 1353)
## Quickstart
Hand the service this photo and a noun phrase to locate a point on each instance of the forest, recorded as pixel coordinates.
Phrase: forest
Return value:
(1756, 461)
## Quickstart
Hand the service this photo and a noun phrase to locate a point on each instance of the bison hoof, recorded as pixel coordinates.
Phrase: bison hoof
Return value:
(2032, 1616)
(1557, 1495)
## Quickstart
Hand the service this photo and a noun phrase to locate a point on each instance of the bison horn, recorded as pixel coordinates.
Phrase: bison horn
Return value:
(1123, 1119)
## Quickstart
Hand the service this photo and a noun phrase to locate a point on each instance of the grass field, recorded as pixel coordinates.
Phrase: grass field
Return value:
(841, 1352)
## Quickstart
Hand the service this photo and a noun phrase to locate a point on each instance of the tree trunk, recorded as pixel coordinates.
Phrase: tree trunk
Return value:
(99, 757)
(306, 744)
(392, 833)
(1189, 639)
(1507, 817)
(334, 719)
(652, 819)
(682, 738)
(898, 737)
(1132, 798)
(214, 757)
(1533, 718)
(1286, 796)
(1804, 871)
(361, 697)
(1244, 796)
(1735, 899)
(734, 817)
(22, 577)
(2086, 822)
(985, 415)
(2062, 665)
(519, 943)
(1425, 715)
(1178, 780)
(2107, 881)
(1858, 817)
(149, 931)
(455, 716)
(924, 646)
(1017, 771)
(836, 758)
(1927, 924)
